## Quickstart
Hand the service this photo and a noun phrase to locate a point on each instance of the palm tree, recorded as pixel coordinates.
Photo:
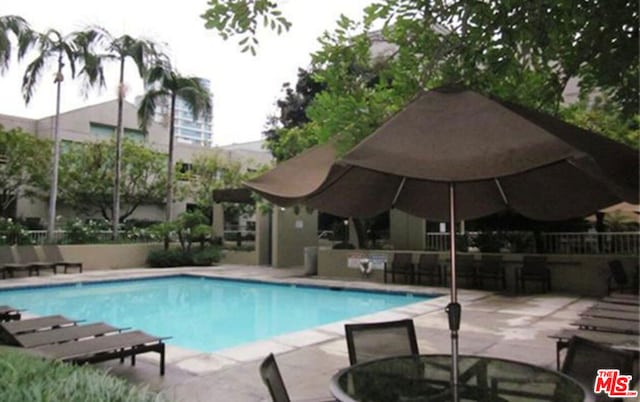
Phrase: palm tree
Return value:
(165, 83)
(18, 27)
(70, 49)
(143, 53)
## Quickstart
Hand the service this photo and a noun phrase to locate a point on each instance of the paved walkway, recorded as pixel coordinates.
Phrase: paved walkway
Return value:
(492, 325)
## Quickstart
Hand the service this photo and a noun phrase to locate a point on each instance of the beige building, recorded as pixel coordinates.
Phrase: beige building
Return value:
(97, 123)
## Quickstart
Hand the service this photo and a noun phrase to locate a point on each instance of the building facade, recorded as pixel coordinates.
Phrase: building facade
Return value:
(98, 123)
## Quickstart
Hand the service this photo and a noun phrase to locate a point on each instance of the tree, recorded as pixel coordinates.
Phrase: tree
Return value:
(490, 44)
(165, 83)
(86, 177)
(242, 18)
(281, 140)
(143, 53)
(24, 166)
(65, 50)
(13, 25)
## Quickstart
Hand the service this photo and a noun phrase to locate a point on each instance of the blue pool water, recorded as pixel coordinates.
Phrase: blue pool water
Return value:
(203, 313)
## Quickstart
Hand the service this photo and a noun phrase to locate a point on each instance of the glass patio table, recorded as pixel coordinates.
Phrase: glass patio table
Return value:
(426, 378)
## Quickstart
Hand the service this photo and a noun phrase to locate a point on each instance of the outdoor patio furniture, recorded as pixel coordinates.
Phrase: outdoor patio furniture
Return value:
(617, 307)
(616, 315)
(401, 264)
(585, 357)
(103, 348)
(491, 267)
(376, 340)
(54, 256)
(270, 374)
(632, 300)
(28, 260)
(618, 279)
(466, 269)
(534, 269)
(608, 325)
(35, 324)
(64, 334)
(428, 267)
(617, 341)
(8, 313)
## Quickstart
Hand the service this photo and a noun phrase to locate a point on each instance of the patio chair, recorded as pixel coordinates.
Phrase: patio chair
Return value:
(618, 279)
(492, 268)
(428, 267)
(534, 268)
(402, 265)
(103, 348)
(376, 340)
(28, 260)
(466, 269)
(585, 357)
(270, 374)
(54, 256)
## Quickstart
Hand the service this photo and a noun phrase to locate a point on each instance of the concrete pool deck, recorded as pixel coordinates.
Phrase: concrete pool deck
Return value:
(492, 325)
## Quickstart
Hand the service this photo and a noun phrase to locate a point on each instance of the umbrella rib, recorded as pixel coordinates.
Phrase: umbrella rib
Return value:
(395, 198)
(502, 193)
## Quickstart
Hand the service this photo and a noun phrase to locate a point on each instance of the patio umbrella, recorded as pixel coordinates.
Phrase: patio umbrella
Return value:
(453, 154)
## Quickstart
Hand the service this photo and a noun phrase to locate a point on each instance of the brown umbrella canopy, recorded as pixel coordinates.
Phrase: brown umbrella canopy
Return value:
(501, 156)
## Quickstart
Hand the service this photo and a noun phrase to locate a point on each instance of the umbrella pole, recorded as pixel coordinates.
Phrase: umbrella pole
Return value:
(453, 309)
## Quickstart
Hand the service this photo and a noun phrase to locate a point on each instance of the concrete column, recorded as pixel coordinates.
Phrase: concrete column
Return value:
(291, 233)
(406, 232)
(218, 220)
(263, 238)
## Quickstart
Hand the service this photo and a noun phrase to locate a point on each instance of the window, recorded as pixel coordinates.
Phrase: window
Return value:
(107, 131)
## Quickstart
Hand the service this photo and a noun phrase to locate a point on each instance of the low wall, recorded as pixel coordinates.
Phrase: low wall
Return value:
(109, 256)
(239, 257)
(585, 275)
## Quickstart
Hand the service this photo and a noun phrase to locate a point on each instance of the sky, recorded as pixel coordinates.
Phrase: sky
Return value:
(244, 87)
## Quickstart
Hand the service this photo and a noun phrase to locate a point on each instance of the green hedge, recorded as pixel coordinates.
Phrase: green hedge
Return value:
(176, 257)
(27, 378)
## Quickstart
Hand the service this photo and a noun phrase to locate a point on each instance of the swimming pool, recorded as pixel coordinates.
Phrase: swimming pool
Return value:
(204, 314)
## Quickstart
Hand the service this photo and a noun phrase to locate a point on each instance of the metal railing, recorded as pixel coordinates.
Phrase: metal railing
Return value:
(625, 243)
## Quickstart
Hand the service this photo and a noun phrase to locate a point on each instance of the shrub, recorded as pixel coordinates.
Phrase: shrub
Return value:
(173, 257)
(79, 232)
(11, 232)
(206, 256)
(26, 378)
(176, 257)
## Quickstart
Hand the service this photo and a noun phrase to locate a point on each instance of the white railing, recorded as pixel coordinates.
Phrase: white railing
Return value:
(557, 243)
(62, 236)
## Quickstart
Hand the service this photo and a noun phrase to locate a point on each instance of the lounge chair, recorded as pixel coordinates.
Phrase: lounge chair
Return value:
(375, 340)
(632, 300)
(401, 265)
(6, 257)
(534, 268)
(28, 260)
(270, 374)
(608, 325)
(492, 268)
(103, 348)
(35, 324)
(618, 279)
(428, 267)
(585, 357)
(64, 334)
(54, 256)
(617, 307)
(619, 341)
(616, 315)
(8, 313)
